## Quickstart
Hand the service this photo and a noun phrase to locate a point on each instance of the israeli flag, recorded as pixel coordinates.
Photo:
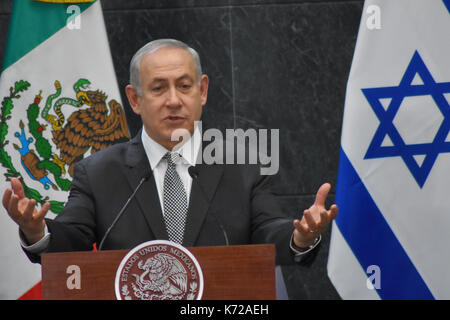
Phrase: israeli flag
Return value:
(392, 234)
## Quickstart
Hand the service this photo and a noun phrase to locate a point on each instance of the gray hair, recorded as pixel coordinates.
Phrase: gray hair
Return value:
(152, 46)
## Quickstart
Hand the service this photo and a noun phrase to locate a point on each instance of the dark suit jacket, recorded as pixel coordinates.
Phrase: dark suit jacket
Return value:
(231, 199)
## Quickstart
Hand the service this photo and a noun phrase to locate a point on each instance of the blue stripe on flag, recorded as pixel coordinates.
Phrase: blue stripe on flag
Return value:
(372, 240)
(447, 4)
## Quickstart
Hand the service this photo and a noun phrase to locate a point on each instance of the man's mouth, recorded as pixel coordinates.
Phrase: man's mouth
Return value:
(174, 119)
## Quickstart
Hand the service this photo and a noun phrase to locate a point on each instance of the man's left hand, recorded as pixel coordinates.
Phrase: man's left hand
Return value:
(315, 219)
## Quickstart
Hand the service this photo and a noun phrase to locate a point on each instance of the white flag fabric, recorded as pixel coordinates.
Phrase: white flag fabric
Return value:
(390, 239)
(60, 103)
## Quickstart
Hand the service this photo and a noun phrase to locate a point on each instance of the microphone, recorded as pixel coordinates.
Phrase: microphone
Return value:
(145, 178)
(193, 172)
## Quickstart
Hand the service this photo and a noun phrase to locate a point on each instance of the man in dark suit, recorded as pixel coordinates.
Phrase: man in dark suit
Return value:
(216, 205)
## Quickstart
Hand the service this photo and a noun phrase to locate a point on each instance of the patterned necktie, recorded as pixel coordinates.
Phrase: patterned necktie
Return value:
(175, 200)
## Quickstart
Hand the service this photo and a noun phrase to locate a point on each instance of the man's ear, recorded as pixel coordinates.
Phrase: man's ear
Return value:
(133, 98)
(204, 83)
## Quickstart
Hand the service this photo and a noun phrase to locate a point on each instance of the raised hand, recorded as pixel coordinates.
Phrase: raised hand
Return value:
(315, 219)
(23, 211)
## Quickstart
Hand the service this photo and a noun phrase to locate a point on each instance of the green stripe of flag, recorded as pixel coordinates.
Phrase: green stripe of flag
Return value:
(32, 23)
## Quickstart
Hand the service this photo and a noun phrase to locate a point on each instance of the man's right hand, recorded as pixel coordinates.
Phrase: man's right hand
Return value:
(23, 211)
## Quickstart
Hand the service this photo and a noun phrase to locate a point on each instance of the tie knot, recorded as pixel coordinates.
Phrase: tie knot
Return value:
(171, 157)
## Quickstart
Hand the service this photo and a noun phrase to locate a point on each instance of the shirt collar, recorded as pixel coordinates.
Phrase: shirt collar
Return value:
(188, 151)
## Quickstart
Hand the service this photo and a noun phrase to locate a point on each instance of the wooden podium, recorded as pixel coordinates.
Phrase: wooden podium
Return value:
(230, 273)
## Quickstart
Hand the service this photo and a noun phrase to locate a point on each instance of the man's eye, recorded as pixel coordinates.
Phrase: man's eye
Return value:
(156, 89)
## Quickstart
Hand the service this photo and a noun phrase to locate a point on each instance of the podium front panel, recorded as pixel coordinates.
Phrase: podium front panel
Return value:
(230, 272)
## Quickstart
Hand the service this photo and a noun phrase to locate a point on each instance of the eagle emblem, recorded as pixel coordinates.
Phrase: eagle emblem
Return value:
(163, 275)
(159, 270)
(43, 139)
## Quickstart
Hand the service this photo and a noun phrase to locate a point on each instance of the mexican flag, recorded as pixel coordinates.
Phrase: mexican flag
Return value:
(59, 103)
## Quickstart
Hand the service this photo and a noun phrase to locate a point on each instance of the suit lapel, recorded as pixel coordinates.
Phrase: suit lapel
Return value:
(202, 192)
(148, 199)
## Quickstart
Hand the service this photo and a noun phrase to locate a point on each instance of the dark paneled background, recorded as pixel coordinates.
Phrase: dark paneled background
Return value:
(272, 64)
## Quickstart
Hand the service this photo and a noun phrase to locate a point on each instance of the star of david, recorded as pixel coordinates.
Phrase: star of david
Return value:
(406, 88)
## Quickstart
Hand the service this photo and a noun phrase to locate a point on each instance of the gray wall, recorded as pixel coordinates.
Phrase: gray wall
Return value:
(272, 64)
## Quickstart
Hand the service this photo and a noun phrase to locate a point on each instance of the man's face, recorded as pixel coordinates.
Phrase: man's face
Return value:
(171, 95)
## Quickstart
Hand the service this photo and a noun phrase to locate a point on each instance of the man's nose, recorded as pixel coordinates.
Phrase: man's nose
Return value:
(173, 100)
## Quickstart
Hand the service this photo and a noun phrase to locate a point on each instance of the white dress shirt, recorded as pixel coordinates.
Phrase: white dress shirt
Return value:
(189, 153)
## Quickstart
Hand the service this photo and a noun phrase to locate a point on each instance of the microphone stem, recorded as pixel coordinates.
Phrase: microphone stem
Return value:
(194, 175)
(121, 212)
